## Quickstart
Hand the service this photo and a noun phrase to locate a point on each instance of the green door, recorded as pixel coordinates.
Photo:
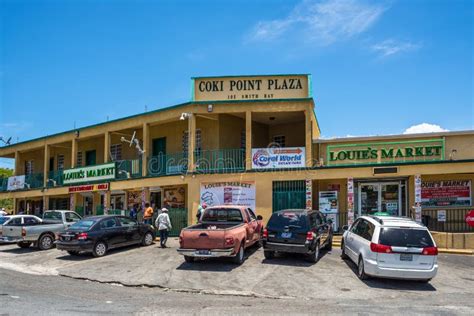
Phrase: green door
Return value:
(288, 195)
(90, 158)
(159, 151)
(178, 219)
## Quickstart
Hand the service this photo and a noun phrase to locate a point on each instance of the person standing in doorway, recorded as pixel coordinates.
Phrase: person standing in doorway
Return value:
(163, 224)
(200, 210)
(148, 215)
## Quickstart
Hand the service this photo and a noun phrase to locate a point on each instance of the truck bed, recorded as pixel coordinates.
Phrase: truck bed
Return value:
(209, 235)
(213, 226)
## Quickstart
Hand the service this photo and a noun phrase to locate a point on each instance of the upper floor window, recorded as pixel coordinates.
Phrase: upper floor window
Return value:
(60, 162)
(29, 167)
(186, 138)
(116, 152)
(79, 159)
(279, 140)
(242, 139)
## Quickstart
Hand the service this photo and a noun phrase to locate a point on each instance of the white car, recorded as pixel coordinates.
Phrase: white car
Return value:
(17, 220)
(390, 247)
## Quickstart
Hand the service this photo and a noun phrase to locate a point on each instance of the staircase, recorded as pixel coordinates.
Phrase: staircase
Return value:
(336, 241)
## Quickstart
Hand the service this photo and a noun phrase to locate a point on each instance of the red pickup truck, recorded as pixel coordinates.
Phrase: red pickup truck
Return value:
(223, 231)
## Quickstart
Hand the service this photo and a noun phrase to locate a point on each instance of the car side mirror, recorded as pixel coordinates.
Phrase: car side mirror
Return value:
(345, 227)
(259, 217)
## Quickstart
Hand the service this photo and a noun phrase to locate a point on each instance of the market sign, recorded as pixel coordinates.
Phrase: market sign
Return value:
(232, 192)
(386, 152)
(251, 87)
(89, 188)
(446, 193)
(278, 158)
(16, 183)
(89, 174)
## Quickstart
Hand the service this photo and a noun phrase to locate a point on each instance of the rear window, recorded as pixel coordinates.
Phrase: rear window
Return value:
(404, 237)
(296, 220)
(3, 219)
(83, 224)
(222, 215)
(53, 215)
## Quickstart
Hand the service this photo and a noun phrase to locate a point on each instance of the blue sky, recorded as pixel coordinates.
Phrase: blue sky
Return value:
(379, 67)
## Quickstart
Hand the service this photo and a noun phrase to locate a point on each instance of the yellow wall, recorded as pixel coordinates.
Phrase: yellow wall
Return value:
(294, 133)
(230, 129)
(64, 150)
(128, 152)
(38, 161)
(97, 144)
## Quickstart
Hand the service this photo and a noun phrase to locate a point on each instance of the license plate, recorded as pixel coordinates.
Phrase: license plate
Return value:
(67, 238)
(285, 235)
(203, 252)
(406, 257)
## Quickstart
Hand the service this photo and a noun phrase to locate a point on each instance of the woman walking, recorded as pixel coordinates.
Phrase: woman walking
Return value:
(163, 224)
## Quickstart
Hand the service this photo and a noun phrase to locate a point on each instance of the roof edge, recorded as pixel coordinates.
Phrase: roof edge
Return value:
(395, 136)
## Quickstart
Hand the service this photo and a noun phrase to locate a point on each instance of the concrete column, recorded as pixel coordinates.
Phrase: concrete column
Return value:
(46, 165)
(74, 153)
(72, 202)
(17, 164)
(106, 202)
(191, 141)
(15, 210)
(146, 149)
(106, 147)
(248, 140)
(308, 139)
(45, 202)
(95, 202)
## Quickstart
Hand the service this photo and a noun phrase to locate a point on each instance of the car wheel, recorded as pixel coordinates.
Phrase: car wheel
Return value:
(24, 244)
(344, 255)
(100, 249)
(329, 245)
(361, 270)
(147, 239)
(73, 252)
(46, 242)
(239, 257)
(269, 254)
(189, 259)
(313, 257)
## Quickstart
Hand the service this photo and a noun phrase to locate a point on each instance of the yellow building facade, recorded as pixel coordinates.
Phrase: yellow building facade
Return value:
(251, 140)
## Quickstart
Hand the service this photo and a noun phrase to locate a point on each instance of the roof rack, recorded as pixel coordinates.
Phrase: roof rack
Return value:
(378, 219)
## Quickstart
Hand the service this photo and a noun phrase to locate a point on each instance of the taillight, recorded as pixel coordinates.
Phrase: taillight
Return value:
(82, 236)
(430, 251)
(309, 236)
(380, 248)
(229, 241)
(265, 233)
(23, 232)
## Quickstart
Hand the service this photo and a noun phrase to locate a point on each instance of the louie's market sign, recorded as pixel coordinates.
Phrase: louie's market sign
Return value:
(251, 87)
(278, 158)
(388, 152)
(89, 174)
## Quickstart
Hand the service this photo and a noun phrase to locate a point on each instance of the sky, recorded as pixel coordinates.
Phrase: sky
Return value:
(378, 67)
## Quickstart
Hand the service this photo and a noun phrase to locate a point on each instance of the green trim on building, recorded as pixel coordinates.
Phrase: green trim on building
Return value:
(310, 86)
(192, 89)
(250, 76)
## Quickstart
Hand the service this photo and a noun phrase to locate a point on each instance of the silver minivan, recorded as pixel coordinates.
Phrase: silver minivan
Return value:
(390, 247)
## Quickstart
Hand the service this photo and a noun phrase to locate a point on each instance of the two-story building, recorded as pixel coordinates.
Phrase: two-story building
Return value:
(251, 140)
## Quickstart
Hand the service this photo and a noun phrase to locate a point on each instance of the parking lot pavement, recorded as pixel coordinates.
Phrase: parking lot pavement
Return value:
(283, 277)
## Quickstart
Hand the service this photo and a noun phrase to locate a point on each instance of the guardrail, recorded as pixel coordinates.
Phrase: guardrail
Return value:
(55, 179)
(169, 164)
(128, 169)
(220, 160)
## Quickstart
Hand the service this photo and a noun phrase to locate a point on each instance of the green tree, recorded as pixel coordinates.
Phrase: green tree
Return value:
(4, 174)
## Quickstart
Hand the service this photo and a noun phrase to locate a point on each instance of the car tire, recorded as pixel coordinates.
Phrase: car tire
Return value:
(73, 252)
(240, 256)
(189, 259)
(361, 270)
(46, 242)
(269, 254)
(329, 245)
(147, 239)
(24, 244)
(100, 249)
(314, 256)
(344, 255)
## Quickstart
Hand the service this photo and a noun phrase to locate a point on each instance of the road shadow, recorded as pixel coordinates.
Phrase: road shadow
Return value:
(19, 250)
(82, 256)
(215, 264)
(294, 259)
(392, 284)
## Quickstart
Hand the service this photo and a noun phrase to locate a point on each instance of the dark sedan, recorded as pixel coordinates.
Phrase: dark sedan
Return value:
(98, 234)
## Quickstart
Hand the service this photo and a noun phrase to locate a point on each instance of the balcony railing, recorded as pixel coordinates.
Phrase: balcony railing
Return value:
(34, 181)
(128, 169)
(220, 160)
(55, 179)
(3, 184)
(169, 164)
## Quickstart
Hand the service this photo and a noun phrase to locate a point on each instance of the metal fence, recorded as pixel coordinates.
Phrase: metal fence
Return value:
(3, 184)
(34, 180)
(55, 178)
(169, 164)
(220, 160)
(455, 221)
(128, 169)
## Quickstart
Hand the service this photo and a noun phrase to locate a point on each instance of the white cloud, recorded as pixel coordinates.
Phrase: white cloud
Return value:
(424, 128)
(391, 47)
(323, 22)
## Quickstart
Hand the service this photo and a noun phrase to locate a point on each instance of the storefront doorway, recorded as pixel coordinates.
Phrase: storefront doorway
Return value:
(387, 197)
(88, 205)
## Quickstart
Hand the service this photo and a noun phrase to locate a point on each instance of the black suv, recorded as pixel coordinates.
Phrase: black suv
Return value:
(297, 231)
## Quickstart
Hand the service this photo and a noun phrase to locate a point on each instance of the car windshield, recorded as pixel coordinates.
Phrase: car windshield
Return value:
(222, 215)
(53, 215)
(292, 220)
(4, 219)
(405, 237)
(84, 224)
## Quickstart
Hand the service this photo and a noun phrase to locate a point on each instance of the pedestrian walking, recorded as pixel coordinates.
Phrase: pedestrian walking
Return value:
(148, 215)
(200, 210)
(163, 224)
(2, 212)
(133, 212)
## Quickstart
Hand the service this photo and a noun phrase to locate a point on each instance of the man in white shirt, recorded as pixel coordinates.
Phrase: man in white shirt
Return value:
(163, 224)
(2, 212)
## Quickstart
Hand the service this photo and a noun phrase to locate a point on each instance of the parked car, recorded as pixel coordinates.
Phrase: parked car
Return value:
(99, 234)
(297, 231)
(42, 234)
(223, 231)
(17, 220)
(390, 247)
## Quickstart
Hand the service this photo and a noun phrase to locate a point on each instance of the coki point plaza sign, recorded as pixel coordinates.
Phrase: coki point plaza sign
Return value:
(386, 152)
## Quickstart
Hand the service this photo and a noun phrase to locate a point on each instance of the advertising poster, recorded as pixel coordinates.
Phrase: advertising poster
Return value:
(16, 183)
(446, 193)
(350, 201)
(174, 197)
(309, 195)
(441, 215)
(278, 158)
(233, 192)
(328, 202)
(417, 189)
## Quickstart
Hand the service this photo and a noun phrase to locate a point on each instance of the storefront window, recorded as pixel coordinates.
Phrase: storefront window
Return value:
(385, 197)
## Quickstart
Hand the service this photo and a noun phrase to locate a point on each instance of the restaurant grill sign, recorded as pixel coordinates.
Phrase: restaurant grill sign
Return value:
(386, 152)
(89, 174)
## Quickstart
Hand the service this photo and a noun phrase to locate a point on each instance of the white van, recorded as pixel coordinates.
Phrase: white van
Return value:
(390, 247)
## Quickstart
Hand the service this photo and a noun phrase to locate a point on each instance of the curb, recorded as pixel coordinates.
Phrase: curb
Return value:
(465, 252)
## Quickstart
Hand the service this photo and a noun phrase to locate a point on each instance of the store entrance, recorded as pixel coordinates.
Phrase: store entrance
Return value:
(385, 197)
